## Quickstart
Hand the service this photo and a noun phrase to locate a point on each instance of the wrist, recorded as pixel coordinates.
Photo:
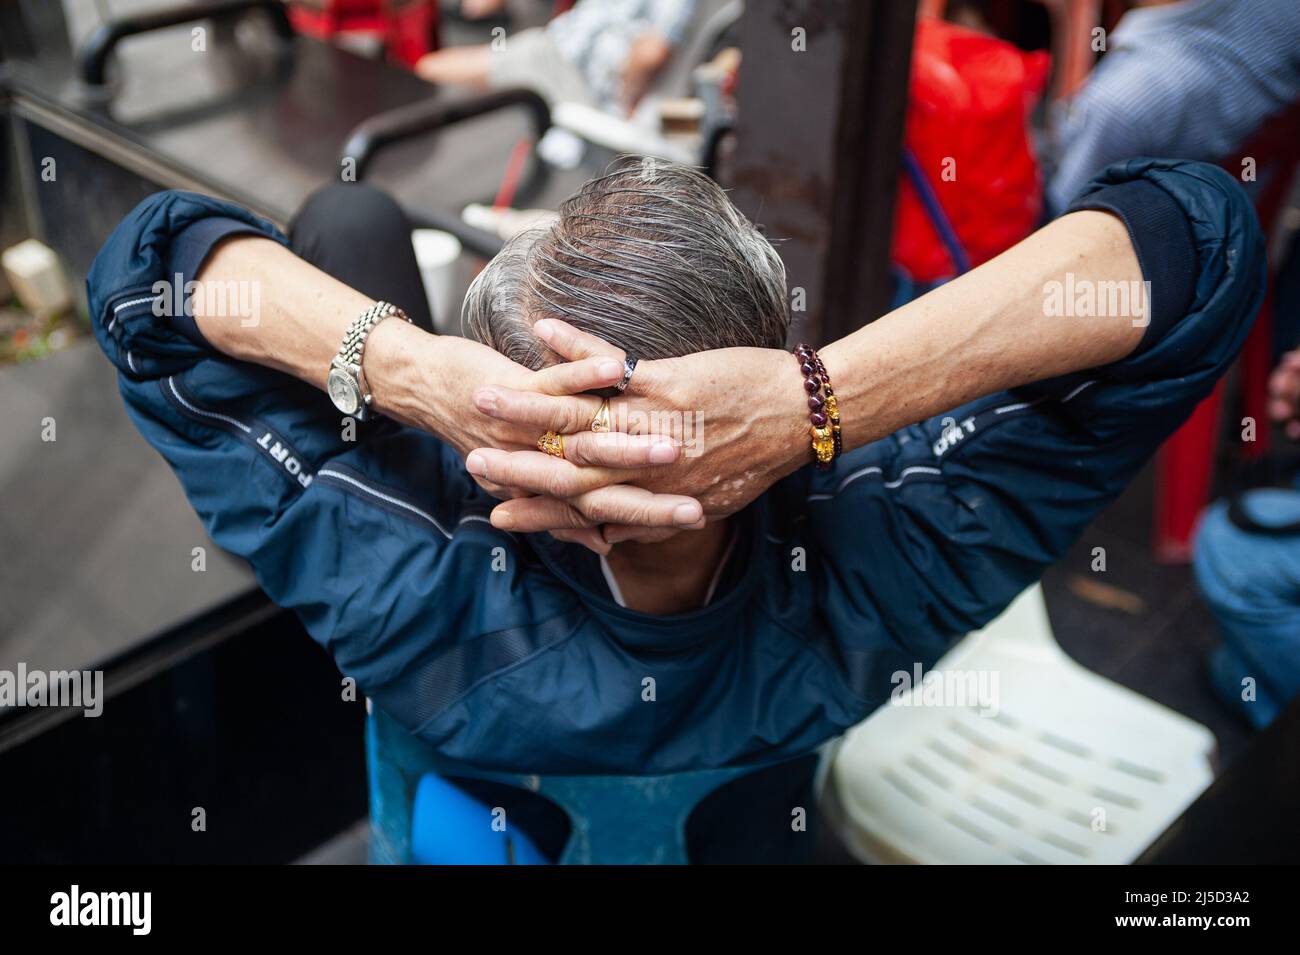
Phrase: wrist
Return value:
(790, 446)
(396, 366)
(859, 409)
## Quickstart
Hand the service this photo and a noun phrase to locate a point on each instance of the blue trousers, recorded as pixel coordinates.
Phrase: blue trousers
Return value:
(1252, 583)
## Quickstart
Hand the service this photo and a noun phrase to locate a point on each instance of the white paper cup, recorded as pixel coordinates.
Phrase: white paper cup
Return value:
(437, 253)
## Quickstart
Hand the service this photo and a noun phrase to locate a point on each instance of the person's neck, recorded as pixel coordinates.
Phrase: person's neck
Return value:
(671, 576)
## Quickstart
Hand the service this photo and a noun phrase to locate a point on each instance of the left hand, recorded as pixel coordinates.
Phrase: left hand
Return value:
(646, 57)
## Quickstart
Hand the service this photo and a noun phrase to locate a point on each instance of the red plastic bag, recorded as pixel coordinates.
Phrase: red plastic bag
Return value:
(967, 127)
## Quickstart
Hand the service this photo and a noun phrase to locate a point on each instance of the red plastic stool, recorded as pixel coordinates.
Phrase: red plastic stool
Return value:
(408, 28)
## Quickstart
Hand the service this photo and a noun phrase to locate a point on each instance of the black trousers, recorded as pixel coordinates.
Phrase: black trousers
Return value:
(361, 236)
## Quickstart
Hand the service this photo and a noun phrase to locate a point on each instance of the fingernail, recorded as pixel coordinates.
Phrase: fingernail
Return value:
(662, 452)
(503, 520)
(475, 464)
(610, 369)
(543, 328)
(686, 514)
(613, 535)
(485, 399)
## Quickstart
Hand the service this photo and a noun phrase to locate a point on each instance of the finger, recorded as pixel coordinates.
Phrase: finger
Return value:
(536, 472)
(621, 503)
(1290, 385)
(588, 537)
(499, 491)
(627, 504)
(575, 377)
(618, 533)
(528, 515)
(613, 449)
(568, 342)
(565, 414)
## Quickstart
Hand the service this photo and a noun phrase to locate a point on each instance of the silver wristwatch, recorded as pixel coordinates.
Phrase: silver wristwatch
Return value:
(347, 383)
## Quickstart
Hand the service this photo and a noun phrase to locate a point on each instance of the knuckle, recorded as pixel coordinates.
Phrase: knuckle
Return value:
(643, 514)
(612, 453)
(632, 455)
(594, 507)
(586, 451)
(555, 483)
(572, 418)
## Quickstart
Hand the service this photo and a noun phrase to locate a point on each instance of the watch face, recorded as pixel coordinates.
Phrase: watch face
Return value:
(343, 391)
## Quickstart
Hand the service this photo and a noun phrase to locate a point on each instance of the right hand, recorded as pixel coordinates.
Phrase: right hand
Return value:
(1284, 394)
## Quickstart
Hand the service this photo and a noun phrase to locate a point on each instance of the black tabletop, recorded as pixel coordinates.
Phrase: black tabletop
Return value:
(263, 122)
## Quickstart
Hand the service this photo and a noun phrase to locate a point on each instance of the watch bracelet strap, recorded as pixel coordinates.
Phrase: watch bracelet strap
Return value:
(354, 339)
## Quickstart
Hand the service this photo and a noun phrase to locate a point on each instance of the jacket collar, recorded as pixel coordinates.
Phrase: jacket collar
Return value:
(579, 569)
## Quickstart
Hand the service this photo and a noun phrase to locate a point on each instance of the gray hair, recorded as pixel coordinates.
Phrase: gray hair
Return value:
(651, 257)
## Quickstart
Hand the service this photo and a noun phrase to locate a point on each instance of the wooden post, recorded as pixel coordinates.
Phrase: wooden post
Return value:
(823, 94)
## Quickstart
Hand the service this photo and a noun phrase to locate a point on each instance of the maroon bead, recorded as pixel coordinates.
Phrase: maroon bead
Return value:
(807, 368)
(815, 403)
(811, 385)
(817, 418)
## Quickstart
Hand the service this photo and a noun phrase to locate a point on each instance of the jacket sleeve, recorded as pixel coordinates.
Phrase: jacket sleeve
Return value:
(931, 532)
(376, 539)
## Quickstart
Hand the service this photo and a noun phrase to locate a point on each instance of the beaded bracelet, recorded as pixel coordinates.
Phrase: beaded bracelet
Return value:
(824, 412)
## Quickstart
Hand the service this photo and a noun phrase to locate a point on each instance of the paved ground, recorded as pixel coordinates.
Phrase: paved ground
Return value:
(1158, 650)
(95, 533)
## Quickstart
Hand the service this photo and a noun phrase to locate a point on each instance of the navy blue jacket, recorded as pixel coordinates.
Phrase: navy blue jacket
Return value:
(494, 650)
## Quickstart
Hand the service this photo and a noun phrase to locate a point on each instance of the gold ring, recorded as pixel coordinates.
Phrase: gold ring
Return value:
(552, 442)
(600, 423)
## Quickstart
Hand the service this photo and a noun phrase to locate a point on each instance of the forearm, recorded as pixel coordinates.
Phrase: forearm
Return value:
(301, 317)
(986, 331)
(422, 380)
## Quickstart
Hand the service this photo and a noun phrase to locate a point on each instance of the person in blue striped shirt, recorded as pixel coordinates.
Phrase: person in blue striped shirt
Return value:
(1190, 79)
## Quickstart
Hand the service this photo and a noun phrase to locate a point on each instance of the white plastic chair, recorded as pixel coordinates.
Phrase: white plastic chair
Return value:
(1062, 767)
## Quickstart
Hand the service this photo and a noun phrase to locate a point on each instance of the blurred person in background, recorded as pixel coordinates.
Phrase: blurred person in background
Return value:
(970, 186)
(482, 9)
(601, 53)
(1191, 79)
(1247, 564)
